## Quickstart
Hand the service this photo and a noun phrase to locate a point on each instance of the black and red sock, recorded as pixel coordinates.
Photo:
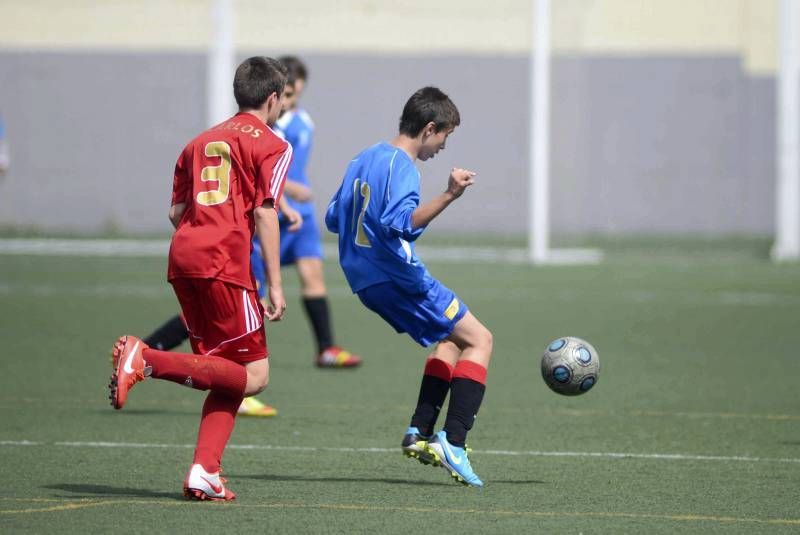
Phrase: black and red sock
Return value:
(466, 394)
(432, 392)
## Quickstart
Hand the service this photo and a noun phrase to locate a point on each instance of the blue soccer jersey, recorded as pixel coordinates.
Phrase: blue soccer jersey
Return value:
(371, 213)
(297, 128)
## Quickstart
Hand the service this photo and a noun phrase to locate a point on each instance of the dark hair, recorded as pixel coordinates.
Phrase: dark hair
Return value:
(429, 104)
(296, 69)
(256, 79)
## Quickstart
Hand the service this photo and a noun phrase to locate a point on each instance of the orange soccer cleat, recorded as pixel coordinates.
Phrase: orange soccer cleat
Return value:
(200, 485)
(336, 357)
(129, 368)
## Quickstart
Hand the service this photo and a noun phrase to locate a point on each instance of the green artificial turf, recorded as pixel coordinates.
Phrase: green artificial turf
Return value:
(699, 386)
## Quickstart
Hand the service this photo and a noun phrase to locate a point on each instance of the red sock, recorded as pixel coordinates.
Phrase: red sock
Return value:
(201, 372)
(468, 369)
(438, 368)
(219, 415)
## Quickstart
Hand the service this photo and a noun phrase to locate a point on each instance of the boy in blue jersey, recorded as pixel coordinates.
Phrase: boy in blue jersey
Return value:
(377, 214)
(303, 248)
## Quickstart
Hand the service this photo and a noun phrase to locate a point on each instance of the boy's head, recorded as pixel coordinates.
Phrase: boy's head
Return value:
(259, 82)
(297, 73)
(429, 116)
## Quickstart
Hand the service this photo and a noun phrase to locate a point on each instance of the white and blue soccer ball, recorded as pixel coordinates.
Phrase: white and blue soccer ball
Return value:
(570, 366)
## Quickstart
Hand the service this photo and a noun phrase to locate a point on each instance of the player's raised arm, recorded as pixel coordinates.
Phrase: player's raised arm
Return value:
(457, 183)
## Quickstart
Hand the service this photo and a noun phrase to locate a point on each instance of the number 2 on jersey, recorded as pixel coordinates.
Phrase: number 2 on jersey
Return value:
(220, 173)
(363, 189)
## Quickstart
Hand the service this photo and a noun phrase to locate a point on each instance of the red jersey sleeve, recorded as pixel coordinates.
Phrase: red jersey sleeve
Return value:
(181, 183)
(272, 176)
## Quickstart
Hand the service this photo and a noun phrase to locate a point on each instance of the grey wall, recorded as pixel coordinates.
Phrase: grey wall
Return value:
(656, 144)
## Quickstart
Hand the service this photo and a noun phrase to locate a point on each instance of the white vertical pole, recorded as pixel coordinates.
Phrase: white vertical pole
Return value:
(787, 190)
(539, 132)
(220, 103)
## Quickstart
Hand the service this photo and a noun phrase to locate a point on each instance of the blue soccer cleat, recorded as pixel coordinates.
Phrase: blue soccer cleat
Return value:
(415, 446)
(453, 459)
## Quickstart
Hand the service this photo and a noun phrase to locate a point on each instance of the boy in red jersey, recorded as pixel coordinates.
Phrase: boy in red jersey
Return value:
(227, 184)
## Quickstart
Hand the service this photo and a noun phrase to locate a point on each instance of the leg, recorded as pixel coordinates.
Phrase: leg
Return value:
(169, 335)
(473, 339)
(312, 280)
(257, 379)
(219, 413)
(469, 377)
(434, 387)
(432, 393)
(467, 387)
(315, 302)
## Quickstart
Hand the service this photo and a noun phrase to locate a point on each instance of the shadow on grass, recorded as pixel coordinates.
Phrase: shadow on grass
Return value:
(390, 481)
(90, 491)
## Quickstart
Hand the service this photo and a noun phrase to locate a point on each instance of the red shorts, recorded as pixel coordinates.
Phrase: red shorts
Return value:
(223, 319)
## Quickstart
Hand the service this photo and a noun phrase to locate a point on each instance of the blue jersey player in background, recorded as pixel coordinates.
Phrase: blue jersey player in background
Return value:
(378, 216)
(303, 248)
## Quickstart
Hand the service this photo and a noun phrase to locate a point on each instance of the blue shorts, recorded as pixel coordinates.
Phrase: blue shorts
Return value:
(427, 317)
(305, 243)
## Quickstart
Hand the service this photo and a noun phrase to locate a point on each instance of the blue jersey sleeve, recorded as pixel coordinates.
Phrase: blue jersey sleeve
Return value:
(331, 214)
(402, 198)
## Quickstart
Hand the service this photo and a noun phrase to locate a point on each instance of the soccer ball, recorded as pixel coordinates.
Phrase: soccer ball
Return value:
(570, 366)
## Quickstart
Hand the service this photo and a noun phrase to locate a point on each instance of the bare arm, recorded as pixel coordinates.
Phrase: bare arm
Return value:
(294, 217)
(459, 180)
(297, 191)
(268, 231)
(176, 212)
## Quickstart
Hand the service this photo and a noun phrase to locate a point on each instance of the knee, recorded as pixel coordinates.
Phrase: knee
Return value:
(313, 286)
(256, 383)
(486, 340)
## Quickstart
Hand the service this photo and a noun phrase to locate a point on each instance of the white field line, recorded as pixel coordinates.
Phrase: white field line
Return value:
(58, 247)
(508, 453)
(159, 248)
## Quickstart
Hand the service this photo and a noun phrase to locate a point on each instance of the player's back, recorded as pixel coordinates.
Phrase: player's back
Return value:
(371, 213)
(221, 176)
(296, 127)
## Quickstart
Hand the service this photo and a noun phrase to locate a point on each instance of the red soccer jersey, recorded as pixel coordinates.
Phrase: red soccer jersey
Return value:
(223, 175)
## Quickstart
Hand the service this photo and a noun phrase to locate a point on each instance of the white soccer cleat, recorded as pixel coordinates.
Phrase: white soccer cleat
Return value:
(200, 485)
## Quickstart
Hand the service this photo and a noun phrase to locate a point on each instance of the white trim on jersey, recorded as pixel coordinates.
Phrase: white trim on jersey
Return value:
(279, 172)
(391, 169)
(407, 249)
